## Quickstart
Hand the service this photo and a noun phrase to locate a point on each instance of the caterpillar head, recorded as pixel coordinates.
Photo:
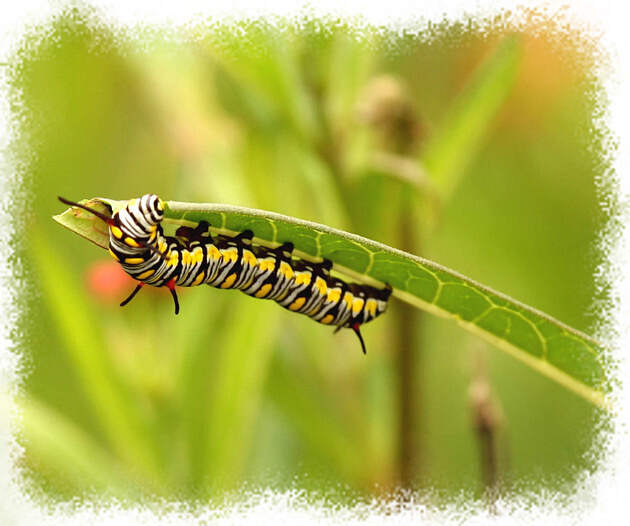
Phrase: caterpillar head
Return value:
(140, 217)
(152, 205)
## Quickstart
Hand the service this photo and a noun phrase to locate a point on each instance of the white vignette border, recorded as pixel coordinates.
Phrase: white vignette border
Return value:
(601, 498)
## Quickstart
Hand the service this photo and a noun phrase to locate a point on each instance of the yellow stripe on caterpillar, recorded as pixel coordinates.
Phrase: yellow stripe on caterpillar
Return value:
(229, 281)
(326, 320)
(213, 252)
(116, 231)
(146, 274)
(263, 291)
(321, 286)
(286, 270)
(333, 295)
(230, 254)
(132, 242)
(267, 264)
(348, 298)
(357, 305)
(198, 279)
(302, 278)
(249, 258)
(297, 304)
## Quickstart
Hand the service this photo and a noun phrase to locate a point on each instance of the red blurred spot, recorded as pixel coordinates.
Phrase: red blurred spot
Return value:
(107, 281)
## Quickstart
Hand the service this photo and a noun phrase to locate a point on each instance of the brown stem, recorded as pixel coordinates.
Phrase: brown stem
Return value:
(487, 422)
(386, 106)
(407, 321)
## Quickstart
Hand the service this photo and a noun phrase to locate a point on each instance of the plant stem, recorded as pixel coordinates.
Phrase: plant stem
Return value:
(487, 422)
(407, 354)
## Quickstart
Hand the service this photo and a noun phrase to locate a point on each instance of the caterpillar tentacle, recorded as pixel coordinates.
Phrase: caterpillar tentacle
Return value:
(132, 295)
(194, 257)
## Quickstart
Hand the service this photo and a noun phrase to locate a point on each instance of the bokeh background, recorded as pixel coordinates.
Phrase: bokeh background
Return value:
(335, 122)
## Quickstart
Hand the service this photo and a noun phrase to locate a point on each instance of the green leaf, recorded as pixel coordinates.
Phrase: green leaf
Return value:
(113, 406)
(262, 61)
(463, 129)
(562, 353)
(60, 446)
(325, 430)
(235, 388)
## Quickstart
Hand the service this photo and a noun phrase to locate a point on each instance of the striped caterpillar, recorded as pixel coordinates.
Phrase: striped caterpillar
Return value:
(194, 257)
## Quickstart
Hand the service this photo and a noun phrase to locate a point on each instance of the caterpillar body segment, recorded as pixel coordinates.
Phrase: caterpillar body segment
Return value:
(194, 257)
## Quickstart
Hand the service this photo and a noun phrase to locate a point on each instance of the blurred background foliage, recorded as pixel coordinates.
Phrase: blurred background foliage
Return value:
(471, 143)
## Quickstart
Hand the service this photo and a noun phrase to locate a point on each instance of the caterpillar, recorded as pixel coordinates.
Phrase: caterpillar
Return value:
(194, 257)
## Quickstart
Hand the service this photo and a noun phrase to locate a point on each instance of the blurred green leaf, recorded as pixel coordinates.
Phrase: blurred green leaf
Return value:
(199, 340)
(324, 430)
(464, 128)
(59, 446)
(569, 357)
(234, 388)
(112, 403)
(263, 61)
